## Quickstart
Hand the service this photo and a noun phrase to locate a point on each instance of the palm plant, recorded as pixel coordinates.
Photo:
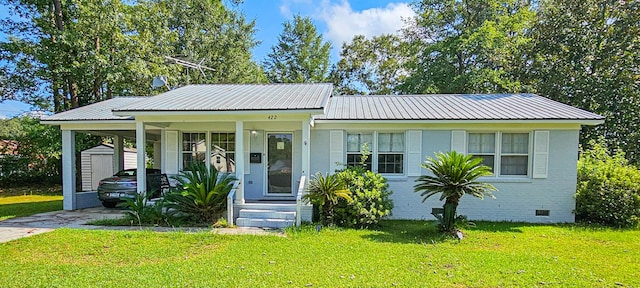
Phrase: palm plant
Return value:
(325, 191)
(454, 175)
(202, 193)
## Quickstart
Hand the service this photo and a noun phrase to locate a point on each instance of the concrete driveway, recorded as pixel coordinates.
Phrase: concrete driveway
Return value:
(19, 227)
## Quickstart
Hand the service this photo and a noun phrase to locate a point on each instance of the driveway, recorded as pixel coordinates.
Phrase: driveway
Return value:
(19, 227)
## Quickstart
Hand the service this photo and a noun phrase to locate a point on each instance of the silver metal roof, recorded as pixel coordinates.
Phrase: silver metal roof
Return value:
(97, 111)
(237, 97)
(452, 107)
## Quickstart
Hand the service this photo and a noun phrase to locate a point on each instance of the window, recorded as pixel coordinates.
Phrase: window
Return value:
(387, 155)
(391, 153)
(194, 148)
(483, 145)
(354, 147)
(513, 156)
(514, 159)
(223, 156)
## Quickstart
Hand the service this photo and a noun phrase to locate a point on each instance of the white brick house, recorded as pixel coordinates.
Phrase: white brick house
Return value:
(274, 137)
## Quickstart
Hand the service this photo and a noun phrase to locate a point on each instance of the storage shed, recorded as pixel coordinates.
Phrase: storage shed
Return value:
(97, 164)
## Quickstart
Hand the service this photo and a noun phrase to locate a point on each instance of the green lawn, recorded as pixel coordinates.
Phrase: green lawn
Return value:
(23, 201)
(402, 253)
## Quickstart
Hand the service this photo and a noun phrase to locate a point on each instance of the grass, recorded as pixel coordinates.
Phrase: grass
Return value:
(24, 201)
(401, 253)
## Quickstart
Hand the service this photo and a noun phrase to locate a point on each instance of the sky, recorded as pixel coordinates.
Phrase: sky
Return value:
(337, 20)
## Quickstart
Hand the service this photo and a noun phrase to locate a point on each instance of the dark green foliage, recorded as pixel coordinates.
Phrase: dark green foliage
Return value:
(586, 53)
(39, 149)
(325, 191)
(608, 188)
(454, 175)
(201, 193)
(301, 55)
(473, 46)
(370, 199)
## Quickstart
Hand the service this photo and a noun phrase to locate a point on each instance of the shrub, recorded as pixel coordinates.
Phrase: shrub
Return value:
(370, 199)
(143, 214)
(325, 191)
(201, 193)
(608, 190)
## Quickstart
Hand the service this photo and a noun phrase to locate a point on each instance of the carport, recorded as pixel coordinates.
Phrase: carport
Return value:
(98, 119)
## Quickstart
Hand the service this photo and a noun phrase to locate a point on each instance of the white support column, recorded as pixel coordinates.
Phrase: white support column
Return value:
(141, 153)
(306, 148)
(69, 169)
(240, 160)
(118, 153)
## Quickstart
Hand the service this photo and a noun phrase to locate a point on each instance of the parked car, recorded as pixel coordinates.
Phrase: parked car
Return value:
(123, 184)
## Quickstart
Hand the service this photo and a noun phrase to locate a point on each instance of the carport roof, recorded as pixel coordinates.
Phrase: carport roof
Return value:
(95, 112)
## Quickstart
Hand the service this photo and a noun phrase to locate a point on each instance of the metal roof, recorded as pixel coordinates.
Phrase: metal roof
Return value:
(452, 107)
(97, 111)
(237, 97)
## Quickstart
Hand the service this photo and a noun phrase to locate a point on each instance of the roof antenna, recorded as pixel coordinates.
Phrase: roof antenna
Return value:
(198, 66)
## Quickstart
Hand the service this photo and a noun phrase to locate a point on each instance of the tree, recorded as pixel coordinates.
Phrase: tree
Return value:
(454, 176)
(587, 54)
(68, 54)
(467, 46)
(372, 66)
(205, 30)
(301, 55)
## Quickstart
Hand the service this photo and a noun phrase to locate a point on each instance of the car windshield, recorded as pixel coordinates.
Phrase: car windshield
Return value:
(126, 173)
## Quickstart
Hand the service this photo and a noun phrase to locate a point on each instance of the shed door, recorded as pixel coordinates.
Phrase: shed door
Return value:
(101, 167)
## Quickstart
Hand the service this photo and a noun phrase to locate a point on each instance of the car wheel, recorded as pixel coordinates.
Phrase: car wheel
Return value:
(109, 204)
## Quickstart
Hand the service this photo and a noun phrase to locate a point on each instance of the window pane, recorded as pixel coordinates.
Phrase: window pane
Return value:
(482, 143)
(384, 142)
(517, 143)
(488, 160)
(355, 141)
(397, 142)
(391, 142)
(354, 160)
(514, 165)
(224, 162)
(390, 163)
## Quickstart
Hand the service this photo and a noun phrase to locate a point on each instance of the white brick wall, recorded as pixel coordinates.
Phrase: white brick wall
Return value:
(516, 200)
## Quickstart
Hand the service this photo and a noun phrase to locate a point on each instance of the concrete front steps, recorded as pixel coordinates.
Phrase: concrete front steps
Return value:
(267, 215)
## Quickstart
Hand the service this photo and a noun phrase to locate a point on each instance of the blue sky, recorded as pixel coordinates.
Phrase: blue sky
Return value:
(337, 20)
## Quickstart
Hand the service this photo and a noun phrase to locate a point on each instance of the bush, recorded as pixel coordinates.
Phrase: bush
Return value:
(370, 199)
(201, 193)
(608, 188)
(325, 191)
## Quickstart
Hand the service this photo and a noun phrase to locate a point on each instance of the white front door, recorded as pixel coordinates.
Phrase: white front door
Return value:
(279, 164)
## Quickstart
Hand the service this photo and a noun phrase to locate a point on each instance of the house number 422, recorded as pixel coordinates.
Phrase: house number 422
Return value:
(272, 117)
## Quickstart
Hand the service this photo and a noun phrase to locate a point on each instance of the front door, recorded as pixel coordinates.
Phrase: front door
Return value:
(279, 163)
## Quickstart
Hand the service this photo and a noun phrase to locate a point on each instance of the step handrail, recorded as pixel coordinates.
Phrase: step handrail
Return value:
(230, 201)
(301, 190)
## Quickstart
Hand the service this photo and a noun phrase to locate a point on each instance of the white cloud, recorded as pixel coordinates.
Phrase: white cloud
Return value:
(343, 23)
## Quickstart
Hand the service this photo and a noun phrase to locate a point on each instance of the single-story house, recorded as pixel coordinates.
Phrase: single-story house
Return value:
(277, 136)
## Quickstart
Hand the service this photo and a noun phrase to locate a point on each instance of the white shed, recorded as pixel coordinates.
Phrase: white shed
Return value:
(97, 164)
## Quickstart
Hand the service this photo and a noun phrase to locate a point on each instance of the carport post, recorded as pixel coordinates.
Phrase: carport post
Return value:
(118, 153)
(69, 169)
(141, 153)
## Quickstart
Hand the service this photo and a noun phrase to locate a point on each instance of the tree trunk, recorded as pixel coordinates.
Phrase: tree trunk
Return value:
(449, 215)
